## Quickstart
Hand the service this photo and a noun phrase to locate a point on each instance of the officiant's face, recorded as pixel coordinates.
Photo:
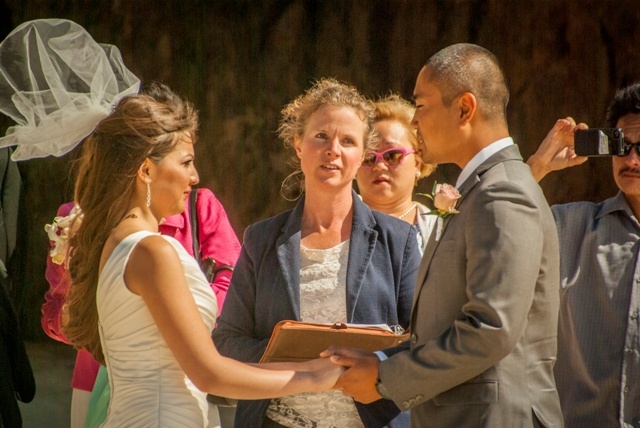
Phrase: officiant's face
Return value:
(434, 121)
(331, 148)
(626, 169)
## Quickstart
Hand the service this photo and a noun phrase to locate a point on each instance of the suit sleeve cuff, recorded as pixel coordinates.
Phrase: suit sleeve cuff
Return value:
(381, 355)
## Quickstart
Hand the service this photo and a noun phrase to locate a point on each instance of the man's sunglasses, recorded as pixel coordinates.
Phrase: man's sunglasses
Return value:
(626, 148)
(391, 157)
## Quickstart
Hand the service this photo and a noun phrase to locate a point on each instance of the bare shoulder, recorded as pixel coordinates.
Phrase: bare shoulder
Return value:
(154, 247)
(152, 262)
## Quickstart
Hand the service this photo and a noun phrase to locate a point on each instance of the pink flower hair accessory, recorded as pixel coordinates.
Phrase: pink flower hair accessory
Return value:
(59, 233)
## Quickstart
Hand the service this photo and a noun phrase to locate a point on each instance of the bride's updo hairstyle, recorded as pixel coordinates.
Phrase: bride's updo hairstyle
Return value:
(147, 125)
(295, 116)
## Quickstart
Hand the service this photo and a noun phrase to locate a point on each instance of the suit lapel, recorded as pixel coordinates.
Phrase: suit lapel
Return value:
(508, 153)
(432, 244)
(429, 252)
(361, 247)
(288, 249)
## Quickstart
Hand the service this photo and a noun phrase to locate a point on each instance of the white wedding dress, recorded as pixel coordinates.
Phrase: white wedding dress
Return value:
(148, 387)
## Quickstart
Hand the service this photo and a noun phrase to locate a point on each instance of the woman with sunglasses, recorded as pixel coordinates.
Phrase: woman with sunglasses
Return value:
(330, 259)
(390, 172)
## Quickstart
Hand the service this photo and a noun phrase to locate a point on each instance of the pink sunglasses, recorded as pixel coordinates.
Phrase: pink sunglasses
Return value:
(391, 157)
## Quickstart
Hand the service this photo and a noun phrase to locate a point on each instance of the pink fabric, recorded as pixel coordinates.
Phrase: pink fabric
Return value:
(85, 371)
(217, 240)
(58, 279)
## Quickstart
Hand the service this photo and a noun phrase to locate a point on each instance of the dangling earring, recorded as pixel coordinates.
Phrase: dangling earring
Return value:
(417, 178)
(148, 194)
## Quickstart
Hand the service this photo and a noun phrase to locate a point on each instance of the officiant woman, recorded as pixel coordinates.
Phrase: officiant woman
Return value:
(329, 259)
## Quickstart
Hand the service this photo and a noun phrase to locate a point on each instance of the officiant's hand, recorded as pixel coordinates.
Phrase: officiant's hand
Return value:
(359, 381)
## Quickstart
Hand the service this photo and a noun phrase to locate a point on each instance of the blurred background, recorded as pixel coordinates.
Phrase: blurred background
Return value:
(241, 61)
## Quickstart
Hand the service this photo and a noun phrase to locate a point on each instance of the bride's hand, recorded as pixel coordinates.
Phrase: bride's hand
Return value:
(325, 373)
(312, 365)
(319, 374)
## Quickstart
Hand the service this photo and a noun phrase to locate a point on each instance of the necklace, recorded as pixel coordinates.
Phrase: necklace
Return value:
(404, 214)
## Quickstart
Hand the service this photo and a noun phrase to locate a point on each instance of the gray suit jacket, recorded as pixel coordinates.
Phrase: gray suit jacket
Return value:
(485, 312)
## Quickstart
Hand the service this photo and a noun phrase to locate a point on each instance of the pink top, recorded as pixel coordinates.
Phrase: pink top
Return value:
(217, 240)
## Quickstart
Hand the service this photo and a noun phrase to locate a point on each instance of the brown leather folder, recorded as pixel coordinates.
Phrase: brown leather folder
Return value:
(301, 341)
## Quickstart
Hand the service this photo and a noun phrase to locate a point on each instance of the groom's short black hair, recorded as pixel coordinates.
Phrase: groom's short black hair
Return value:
(466, 67)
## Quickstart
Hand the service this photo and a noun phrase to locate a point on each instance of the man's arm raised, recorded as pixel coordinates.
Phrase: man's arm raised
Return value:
(556, 151)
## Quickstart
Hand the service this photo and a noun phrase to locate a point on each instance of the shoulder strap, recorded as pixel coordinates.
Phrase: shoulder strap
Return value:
(193, 220)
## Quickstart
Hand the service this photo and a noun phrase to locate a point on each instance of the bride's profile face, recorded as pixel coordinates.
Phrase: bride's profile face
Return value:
(172, 178)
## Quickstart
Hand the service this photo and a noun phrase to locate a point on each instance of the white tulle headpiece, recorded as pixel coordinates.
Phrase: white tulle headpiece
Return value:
(57, 83)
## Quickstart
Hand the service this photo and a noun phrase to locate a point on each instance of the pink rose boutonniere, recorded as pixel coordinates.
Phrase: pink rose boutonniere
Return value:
(445, 197)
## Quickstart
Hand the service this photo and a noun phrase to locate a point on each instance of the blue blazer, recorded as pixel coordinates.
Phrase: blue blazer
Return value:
(265, 289)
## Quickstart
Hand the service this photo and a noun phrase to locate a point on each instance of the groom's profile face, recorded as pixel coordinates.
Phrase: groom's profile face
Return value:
(435, 122)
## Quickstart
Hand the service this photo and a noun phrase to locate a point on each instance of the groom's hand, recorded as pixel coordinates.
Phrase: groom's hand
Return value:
(359, 381)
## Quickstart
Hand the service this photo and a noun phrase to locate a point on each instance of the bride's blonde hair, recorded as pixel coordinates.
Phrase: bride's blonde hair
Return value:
(146, 125)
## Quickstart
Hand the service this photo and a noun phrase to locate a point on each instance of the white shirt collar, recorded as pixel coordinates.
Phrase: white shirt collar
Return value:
(482, 156)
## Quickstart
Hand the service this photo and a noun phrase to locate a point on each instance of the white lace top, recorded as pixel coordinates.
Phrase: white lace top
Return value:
(323, 279)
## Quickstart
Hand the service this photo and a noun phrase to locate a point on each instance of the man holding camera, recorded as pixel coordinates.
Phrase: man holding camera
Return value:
(598, 366)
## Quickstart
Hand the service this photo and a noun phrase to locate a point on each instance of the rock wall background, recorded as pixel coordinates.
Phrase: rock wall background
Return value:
(241, 61)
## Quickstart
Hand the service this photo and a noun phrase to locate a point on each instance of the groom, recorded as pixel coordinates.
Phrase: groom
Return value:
(484, 321)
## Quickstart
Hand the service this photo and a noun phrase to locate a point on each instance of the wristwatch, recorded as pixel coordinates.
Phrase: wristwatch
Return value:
(381, 389)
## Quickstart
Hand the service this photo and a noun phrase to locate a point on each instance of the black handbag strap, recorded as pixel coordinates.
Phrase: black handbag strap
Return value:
(193, 219)
(212, 268)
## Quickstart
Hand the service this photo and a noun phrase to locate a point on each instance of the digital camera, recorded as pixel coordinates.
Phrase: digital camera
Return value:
(599, 142)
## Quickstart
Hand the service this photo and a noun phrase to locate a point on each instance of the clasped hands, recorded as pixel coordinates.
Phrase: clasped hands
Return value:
(359, 378)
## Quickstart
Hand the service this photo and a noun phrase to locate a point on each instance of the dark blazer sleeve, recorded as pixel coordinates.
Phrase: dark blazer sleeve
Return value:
(408, 276)
(393, 266)
(235, 335)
